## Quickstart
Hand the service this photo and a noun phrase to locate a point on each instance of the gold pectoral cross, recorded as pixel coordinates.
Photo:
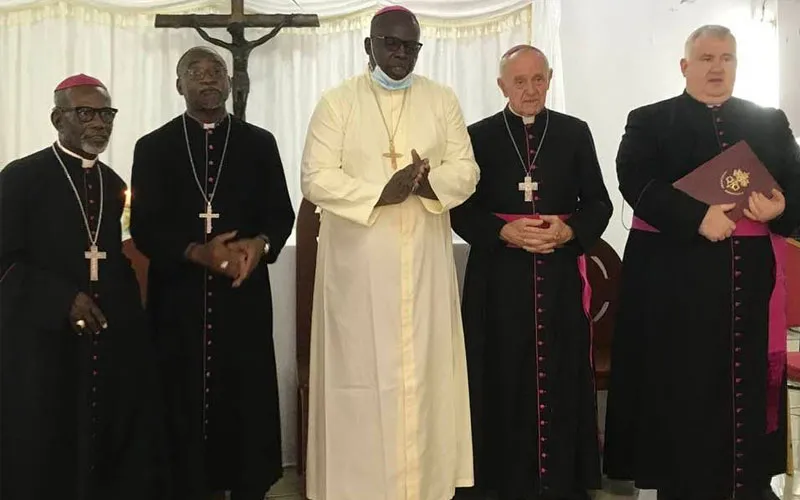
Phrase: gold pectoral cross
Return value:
(528, 186)
(208, 215)
(393, 155)
(93, 256)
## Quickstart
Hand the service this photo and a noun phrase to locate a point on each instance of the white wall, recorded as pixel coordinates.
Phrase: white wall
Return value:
(622, 54)
(789, 50)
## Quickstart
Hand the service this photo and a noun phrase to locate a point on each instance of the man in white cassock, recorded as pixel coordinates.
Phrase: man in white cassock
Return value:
(389, 406)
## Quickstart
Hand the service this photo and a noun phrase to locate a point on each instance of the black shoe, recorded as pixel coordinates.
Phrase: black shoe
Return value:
(469, 494)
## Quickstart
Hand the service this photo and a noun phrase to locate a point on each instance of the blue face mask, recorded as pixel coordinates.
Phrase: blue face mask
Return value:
(387, 82)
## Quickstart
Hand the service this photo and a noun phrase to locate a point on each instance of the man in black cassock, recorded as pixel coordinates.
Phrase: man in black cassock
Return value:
(540, 205)
(696, 405)
(78, 404)
(210, 208)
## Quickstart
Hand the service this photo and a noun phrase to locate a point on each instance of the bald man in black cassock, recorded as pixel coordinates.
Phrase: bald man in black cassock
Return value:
(211, 209)
(526, 327)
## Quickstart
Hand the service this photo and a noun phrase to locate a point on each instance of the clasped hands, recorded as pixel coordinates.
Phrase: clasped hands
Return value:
(85, 316)
(413, 179)
(542, 235)
(716, 225)
(234, 259)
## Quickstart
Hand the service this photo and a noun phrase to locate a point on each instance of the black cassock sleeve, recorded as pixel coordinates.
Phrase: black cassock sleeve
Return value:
(153, 227)
(654, 199)
(788, 176)
(43, 296)
(594, 205)
(471, 220)
(274, 212)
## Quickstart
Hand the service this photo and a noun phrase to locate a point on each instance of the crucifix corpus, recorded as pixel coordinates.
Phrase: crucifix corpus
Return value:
(528, 186)
(239, 46)
(94, 255)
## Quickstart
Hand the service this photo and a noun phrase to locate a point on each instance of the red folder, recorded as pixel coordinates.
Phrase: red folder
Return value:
(729, 177)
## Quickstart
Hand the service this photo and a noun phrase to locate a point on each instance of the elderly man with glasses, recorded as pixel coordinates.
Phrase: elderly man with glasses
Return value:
(79, 406)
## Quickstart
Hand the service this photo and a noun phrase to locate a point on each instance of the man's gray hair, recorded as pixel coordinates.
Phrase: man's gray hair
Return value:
(713, 30)
(61, 98)
(518, 49)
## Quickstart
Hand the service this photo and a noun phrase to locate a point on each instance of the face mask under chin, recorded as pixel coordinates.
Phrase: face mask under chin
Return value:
(387, 82)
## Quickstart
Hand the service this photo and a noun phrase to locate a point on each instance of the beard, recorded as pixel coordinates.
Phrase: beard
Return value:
(93, 147)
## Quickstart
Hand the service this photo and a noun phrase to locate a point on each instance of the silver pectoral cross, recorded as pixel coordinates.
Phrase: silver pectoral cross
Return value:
(208, 215)
(528, 186)
(94, 256)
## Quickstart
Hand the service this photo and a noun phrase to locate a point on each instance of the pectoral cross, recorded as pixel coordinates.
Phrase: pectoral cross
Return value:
(208, 215)
(94, 256)
(393, 155)
(529, 187)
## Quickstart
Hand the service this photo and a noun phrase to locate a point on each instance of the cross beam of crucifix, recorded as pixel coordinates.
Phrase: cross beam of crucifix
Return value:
(239, 46)
(237, 15)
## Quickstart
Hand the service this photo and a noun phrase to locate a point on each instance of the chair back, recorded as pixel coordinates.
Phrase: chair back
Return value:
(793, 283)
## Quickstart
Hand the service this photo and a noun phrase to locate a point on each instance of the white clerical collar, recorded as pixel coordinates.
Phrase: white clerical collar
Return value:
(709, 105)
(85, 162)
(208, 126)
(527, 120)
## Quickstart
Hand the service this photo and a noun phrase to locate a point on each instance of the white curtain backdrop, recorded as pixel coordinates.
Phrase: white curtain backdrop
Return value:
(44, 42)
(116, 41)
(436, 9)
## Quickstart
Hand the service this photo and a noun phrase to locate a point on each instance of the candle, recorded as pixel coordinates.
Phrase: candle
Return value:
(127, 198)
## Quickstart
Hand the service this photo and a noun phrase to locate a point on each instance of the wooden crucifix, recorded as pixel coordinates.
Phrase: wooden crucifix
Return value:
(239, 46)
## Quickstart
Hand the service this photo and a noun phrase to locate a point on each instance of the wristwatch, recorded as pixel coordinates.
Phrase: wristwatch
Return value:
(266, 243)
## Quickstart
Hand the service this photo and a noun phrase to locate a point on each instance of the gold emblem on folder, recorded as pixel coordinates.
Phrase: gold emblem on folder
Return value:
(735, 182)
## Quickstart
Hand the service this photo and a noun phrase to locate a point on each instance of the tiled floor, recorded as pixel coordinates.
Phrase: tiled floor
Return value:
(287, 488)
(790, 486)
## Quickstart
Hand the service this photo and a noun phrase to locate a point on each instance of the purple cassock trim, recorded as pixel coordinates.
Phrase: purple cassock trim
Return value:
(541, 345)
(778, 323)
(586, 295)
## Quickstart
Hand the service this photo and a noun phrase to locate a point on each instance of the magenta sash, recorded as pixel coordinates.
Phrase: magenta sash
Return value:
(778, 323)
(586, 291)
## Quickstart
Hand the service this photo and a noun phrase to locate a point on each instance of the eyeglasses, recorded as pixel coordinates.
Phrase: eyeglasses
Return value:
(86, 114)
(198, 74)
(393, 44)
